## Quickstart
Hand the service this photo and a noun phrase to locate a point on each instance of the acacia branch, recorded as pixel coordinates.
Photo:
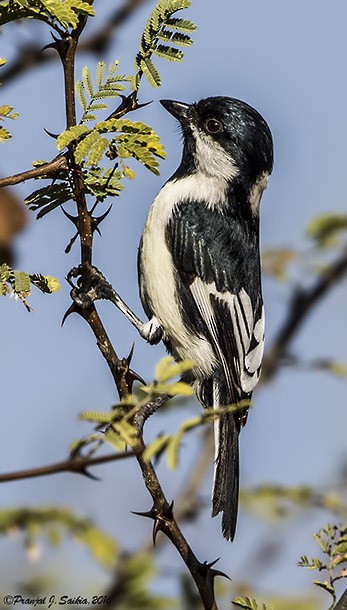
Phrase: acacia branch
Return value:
(47, 170)
(77, 463)
(30, 56)
(161, 512)
(300, 306)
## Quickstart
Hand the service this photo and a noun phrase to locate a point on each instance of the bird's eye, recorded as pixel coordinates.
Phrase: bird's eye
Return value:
(213, 126)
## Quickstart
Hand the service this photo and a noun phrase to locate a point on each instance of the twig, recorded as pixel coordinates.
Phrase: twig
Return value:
(161, 512)
(46, 170)
(299, 308)
(78, 464)
(98, 42)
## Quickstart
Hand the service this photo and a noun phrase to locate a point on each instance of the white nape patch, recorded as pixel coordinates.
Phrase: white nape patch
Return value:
(158, 271)
(247, 362)
(212, 160)
(256, 192)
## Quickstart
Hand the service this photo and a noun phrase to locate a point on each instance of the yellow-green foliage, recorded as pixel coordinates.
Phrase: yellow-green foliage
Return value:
(19, 283)
(132, 139)
(53, 523)
(162, 27)
(106, 87)
(332, 541)
(49, 197)
(63, 12)
(6, 113)
(325, 229)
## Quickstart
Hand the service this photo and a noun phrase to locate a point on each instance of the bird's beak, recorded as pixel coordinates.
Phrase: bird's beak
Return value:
(178, 109)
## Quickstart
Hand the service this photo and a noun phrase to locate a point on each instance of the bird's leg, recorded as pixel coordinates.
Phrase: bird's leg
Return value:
(101, 289)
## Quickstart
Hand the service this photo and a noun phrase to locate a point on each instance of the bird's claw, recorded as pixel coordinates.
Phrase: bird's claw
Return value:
(99, 286)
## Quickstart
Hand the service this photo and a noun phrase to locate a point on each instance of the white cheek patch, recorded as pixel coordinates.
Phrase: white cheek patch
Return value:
(211, 158)
(256, 192)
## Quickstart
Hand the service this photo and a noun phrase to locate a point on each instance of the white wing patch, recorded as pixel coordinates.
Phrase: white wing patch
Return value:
(248, 333)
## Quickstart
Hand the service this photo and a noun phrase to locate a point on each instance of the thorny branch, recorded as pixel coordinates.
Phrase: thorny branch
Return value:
(299, 308)
(161, 512)
(74, 463)
(302, 303)
(98, 42)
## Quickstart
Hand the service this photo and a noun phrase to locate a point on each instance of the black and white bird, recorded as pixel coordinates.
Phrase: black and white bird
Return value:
(199, 268)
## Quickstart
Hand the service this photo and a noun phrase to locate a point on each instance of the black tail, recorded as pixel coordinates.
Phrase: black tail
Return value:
(225, 496)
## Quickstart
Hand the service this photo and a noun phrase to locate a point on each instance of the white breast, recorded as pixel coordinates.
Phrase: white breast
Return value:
(157, 267)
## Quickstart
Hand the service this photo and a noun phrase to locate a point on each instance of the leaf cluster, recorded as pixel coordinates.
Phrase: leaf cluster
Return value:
(6, 112)
(47, 198)
(278, 501)
(129, 139)
(332, 540)
(326, 229)
(53, 523)
(120, 431)
(135, 575)
(162, 36)
(19, 283)
(106, 87)
(55, 13)
(249, 604)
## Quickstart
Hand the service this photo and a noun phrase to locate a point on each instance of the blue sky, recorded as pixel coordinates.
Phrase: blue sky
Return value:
(288, 60)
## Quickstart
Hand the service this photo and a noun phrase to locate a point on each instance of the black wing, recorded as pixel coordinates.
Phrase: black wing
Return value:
(217, 258)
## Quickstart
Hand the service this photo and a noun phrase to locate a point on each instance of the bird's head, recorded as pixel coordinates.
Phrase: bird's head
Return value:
(225, 138)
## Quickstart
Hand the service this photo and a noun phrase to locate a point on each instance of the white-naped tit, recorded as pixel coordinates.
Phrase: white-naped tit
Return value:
(199, 269)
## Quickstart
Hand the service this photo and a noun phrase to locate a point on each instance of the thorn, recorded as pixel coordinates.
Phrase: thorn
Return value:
(169, 513)
(51, 45)
(71, 243)
(131, 376)
(89, 475)
(151, 514)
(72, 309)
(52, 135)
(144, 104)
(206, 571)
(157, 526)
(215, 573)
(97, 220)
(131, 353)
(73, 219)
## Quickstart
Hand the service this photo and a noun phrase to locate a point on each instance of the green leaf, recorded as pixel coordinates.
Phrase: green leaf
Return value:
(38, 521)
(49, 198)
(100, 73)
(87, 81)
(167, 368)
(97, 417)
(71, 134)
(81, 95)
(4, 134)
(325, 228)
(170, 53)
(91, 148)
(150, 72)
(21, 282)
(67, 11)
(155, 447)
(182, 25)
(325, 585)
(46, 283)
